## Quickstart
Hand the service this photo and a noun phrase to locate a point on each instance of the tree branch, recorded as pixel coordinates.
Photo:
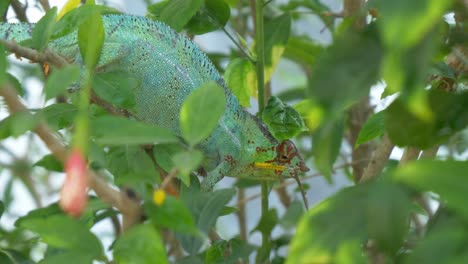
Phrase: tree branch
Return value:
(20, 10)
(45, 5)
(378, 160)
(129, 208)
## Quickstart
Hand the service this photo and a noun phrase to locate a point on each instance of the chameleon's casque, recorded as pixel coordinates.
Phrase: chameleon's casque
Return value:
(169, 67)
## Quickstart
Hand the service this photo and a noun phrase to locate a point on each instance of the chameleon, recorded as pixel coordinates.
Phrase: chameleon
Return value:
(169, 66)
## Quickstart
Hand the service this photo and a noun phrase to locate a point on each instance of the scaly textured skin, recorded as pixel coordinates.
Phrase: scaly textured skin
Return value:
(169, 66)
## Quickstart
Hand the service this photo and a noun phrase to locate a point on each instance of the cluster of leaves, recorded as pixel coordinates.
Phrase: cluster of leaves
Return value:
(403, 45)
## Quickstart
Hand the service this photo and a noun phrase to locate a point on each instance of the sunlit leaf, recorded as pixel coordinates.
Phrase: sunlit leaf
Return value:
(173, 215)
(283, 121)
(326, 146)
(91, 39)
(345, 71)
(43, 30)
(374, 127)
(140, 244)
(186, 163)
(213, 15)
(175, 13)
(446, 178)
(395, 16)
(60, 79)
(276, 38)
(201, 112)
(114, 130)
(240, 76)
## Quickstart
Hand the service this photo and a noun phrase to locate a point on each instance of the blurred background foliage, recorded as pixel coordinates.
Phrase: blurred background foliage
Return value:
(381, 87)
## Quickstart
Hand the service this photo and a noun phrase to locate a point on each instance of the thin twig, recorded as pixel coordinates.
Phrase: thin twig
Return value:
(238, 46)
(241, 214)
(168, 180)
(286, 183)
(303, 193)
(45, 5)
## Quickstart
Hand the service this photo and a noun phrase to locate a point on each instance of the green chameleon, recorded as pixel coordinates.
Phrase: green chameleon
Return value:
(169, 67)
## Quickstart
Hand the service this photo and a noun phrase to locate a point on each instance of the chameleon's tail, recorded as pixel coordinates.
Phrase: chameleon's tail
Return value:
(15, 31)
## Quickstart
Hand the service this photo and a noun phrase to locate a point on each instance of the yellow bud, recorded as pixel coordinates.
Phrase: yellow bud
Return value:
(159, 196)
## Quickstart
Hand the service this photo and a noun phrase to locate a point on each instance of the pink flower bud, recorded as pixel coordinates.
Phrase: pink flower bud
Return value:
(74, 197)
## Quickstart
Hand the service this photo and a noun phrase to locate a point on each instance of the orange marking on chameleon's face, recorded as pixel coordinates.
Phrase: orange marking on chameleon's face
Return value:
(286, 152)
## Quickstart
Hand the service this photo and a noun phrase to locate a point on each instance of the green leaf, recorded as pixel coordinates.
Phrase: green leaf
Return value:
(283, 121)
(63, 232)
(345, 71)
(4, 7)
(172, 214)
(446, 178)
(175, 13)
(213, 208)
(213, 15)
(43, 30)
(239, 250)
(91, 39)
(40, 213)
(241, 78)
(302, 50)
(72, 20)
(2, 208)
(116, 87)
(205, 208)
(449, 114)
(17, 124)
(276, 38)
(407, 69)
(59, 116)
(444, 242)
(317, 8)
(292, 215)
(201, 112)
(388, 212)
(163, 154)
(68, 256)
(141, 244)
(330, 231)
(216, 252)
(395, 16)
(3, 65)
(373, 128)
(326, 146)
(14, 82)
(131, 166)
(186, 162)
(60, 79)
(267, 222)
(49, 162)
(10, 256)
(112, 130)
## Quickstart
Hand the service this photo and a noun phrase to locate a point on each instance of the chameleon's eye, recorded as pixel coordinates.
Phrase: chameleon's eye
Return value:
(285, 151)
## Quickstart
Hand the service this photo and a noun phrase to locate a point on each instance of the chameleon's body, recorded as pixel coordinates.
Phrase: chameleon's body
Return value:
(169, 67)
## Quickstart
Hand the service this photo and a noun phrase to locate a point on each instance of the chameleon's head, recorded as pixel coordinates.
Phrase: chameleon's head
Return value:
(286, 162)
